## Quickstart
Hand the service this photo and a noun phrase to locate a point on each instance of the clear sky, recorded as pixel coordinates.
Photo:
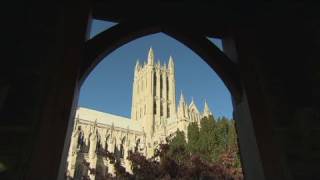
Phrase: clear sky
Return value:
(108, 88)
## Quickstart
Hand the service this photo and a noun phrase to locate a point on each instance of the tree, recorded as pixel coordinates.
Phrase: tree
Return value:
(233, 143)
(208, 140)
(223, 128)
(193, 138)
(178, 147)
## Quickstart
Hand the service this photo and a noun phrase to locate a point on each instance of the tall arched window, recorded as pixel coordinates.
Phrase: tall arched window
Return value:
(167, 82)
(98, 146)
(154, 84)
(106, 143)
(121, 153)
(161, 81)
(80, 138)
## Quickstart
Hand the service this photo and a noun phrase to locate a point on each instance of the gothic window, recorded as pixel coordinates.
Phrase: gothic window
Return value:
(98, 146)
(81, 140)
(154, 107)
(86, 150)
(168, 111)
(116, 151)
(167, 81)
(136, 148)
(161, 86)
(121, 153)
(154, 84)
(106, 143)
(161, 109)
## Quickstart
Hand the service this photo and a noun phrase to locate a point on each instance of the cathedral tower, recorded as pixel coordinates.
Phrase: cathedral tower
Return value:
(154, 118)
(154, 93)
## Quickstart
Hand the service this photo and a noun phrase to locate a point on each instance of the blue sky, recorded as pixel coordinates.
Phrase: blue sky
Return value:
(108, 88)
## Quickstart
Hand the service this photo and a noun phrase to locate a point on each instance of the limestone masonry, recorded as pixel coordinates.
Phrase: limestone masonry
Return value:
(154, 117)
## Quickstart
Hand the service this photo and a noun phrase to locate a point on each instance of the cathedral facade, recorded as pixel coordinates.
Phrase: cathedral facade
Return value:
(155, 116)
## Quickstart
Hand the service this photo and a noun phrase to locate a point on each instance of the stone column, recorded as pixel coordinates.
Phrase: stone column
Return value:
(172, 95)
(172, 89)
(73, 154)
(134, 92)
(92, 154)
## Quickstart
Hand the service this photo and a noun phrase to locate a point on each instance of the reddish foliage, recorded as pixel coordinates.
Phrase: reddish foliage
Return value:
(192, 167)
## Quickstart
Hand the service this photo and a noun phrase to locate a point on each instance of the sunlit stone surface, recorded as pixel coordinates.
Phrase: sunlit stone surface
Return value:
(154, 117)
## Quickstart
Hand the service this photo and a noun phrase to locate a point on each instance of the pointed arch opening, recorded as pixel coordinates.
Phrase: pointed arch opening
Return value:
(123, 33)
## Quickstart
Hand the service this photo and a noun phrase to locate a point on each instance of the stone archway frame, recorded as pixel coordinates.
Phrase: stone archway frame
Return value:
(109, 40)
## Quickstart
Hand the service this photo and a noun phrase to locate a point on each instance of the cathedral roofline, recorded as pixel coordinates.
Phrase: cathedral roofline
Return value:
(106, 118)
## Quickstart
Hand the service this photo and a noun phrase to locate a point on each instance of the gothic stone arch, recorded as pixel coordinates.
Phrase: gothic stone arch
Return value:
(111, 39)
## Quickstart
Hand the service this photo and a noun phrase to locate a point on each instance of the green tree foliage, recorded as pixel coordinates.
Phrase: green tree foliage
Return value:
(208, 138)
(233, 143)
(193, 138)
(178, 147)
(214, 140)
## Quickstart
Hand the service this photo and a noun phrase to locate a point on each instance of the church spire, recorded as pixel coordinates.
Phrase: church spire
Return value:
(171, 64)
(181, 99)
(182, 110)
(206, 110)
(150, 57)
(137, 65)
